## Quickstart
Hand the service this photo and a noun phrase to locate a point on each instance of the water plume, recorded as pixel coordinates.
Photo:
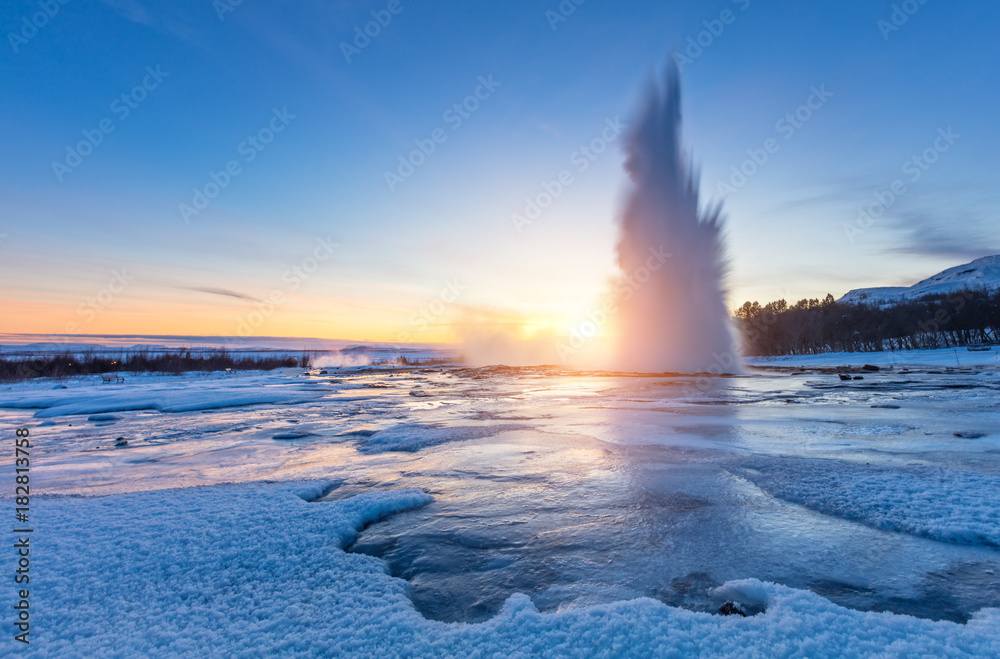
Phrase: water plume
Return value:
(671, 311)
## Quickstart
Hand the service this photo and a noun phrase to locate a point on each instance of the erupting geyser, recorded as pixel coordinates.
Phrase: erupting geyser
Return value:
(672, 312)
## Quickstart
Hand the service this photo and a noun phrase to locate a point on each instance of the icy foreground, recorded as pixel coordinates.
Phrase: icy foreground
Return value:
(259, 570)
(515, 511)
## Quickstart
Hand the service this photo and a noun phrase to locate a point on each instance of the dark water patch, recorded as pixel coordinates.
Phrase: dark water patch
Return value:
(951, 594)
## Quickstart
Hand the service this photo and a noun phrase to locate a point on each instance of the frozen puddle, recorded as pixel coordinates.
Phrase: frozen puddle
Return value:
(572, 525)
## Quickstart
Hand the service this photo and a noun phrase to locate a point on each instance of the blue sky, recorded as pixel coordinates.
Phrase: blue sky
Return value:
(440, 250)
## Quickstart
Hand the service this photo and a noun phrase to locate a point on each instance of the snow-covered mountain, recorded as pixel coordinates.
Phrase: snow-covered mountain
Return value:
(982, 273)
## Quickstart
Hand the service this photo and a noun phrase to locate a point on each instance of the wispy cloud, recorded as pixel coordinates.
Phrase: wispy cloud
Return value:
(224, 292)
(961, 235)
(131, 10)
(165, 18)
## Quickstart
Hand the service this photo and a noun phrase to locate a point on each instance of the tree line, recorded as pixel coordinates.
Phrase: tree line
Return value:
(139, 361)
(963, 318)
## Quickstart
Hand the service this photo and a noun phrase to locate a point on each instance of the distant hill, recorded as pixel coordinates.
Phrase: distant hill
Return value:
(981, 274)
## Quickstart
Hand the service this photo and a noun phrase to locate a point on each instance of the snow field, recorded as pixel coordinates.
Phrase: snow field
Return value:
(257, 570)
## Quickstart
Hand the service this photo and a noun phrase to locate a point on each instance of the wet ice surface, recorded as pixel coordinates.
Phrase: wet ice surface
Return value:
(588, 488)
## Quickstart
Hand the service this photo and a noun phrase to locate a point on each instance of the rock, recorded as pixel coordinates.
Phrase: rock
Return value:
(887, 407)
(731, 608)
(970, 435)
(324, 372)
(844, 376)
(859, 377)
(120, 441)
(870, 367)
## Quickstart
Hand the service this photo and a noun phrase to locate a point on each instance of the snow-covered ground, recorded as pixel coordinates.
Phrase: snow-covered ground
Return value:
(261, 571)
(523, 512)
(942, 358)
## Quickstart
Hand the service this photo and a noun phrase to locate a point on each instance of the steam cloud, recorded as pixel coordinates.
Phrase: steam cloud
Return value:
(672, 315)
